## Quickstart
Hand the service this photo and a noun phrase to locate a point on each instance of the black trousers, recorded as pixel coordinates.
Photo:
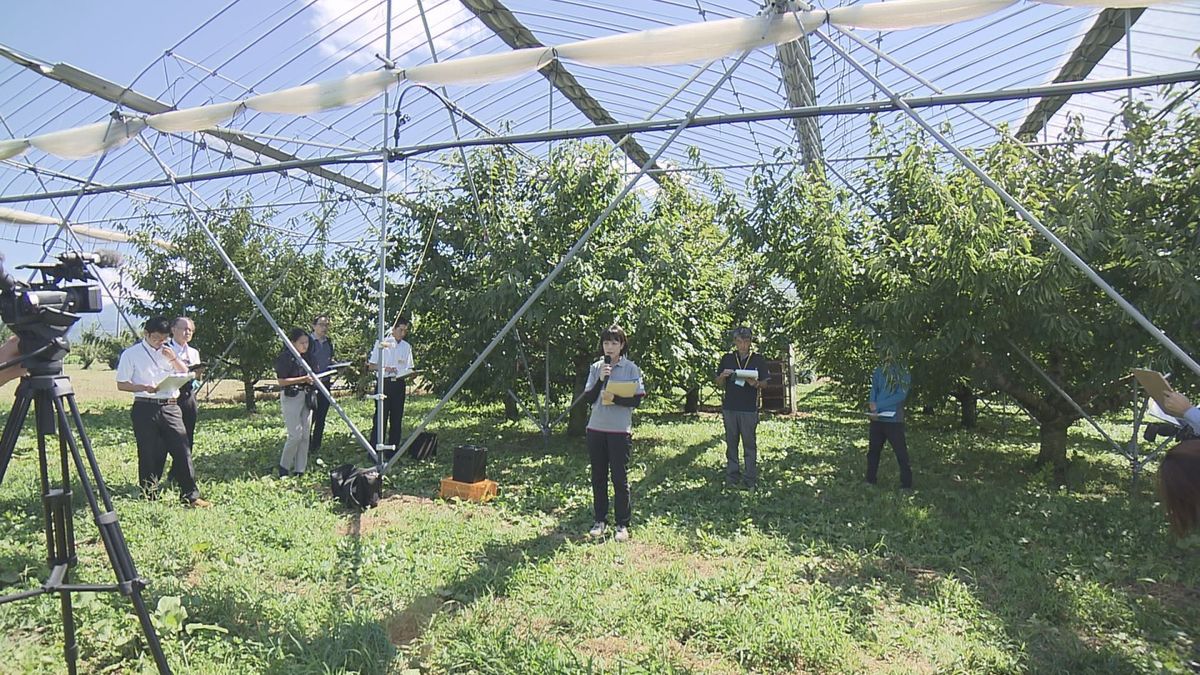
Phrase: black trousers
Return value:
(318, 422)
(892, 432)
(609, 453)
(160, 433)
(187, 406)
(393, 412)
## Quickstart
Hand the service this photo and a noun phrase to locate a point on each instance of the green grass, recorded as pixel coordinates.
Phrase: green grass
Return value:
(983, 569)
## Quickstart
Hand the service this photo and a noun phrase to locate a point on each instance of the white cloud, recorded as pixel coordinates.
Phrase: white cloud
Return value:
(343, 28)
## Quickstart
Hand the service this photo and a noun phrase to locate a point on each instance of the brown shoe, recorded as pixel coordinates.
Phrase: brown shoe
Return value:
(199, 503)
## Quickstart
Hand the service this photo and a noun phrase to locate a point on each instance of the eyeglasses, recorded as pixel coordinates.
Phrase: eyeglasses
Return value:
(322, 323)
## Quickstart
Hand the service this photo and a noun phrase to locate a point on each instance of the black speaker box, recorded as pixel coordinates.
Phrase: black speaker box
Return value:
(470, 464)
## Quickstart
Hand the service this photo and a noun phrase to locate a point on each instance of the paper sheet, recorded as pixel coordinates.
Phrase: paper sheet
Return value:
(175, 381)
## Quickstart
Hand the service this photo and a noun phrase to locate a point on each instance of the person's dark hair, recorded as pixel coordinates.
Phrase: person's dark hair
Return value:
(402, 321)
(1179, 486)
(295, 333)
(157, 324)
(615, 333)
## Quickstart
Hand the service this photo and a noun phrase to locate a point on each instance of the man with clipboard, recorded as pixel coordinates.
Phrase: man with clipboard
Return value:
(1170, 401)
(153, 373)
(394, 356)
(740, 375)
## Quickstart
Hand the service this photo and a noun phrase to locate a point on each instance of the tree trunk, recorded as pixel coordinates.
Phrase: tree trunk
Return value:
(511, 412)
(691, 402)
(577, 419)
(969, 403)
(1053, 449)
(248, 388)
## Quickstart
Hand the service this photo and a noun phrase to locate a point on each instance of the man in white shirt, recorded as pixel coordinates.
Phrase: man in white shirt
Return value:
(394, 356)
(157, 419)
(182, 331)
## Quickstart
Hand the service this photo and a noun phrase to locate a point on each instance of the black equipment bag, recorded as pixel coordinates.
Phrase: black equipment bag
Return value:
(470, 463)
(356, 488)
(424, 447)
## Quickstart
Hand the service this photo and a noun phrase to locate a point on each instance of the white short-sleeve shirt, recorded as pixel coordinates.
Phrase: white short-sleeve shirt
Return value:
(186, 353)
(392, 354)
(142, 364)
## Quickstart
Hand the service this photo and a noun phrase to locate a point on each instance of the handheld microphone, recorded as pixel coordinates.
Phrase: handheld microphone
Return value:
(607, 360)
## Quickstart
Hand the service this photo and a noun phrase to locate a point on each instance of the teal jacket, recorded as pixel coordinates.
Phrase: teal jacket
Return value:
(889, 388)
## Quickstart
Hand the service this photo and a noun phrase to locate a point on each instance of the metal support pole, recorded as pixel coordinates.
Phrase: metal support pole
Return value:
(380, 397)
(1024, 213)
(566, 259)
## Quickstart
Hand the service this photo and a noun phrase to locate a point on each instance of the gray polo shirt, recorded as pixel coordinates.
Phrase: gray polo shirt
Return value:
(614, 418)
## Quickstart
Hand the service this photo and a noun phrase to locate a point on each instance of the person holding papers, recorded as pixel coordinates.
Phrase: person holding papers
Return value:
(295, 384)
(889, 387)
(741, 374)
(614, 388)
(394, 356)
(320, 358)
(182, 331)
(1178, 405)
(153, 373)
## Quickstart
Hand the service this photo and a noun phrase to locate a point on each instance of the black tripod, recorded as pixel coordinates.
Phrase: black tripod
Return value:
(53, 400)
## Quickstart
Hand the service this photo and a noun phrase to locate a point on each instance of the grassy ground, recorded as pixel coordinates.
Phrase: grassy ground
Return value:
(982, 569)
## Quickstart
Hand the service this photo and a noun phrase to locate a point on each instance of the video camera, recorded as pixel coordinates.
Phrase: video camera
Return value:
(41, 312)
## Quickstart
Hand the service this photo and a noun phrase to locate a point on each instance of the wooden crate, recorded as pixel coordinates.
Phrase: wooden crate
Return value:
(483, 491)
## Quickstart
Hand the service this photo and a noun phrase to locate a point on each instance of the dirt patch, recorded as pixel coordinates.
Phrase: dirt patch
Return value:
(648, 557)
(607, 648)
(410, 623)
(1175, 596)
(700, 663)
(390, 511)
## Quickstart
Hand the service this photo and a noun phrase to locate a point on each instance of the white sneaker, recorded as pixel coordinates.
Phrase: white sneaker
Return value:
(622, 533)
(597, 530)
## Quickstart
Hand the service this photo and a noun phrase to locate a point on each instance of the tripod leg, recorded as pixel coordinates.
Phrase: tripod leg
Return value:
(12, 427)
(110, 528)
(62, 558)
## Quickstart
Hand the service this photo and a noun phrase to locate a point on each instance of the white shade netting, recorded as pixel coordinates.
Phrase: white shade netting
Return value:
(659, 47)
(1106, 4)
(92, 139)
(14, 216)
(195, 119)
(693, 42)
(26, 218)
(326, 95)
(913, 13)
(481, 69)
(13, 147)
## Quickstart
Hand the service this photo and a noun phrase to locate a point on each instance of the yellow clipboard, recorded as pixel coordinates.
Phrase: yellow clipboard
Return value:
(626, 389)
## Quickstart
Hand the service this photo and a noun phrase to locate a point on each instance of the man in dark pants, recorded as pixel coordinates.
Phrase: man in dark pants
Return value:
(182, 331)
(889, 389)
(394, 357)
(739, 406)
(319, 357)
(157, 419)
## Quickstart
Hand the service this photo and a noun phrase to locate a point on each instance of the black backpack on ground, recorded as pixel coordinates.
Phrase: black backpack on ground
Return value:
(355, 487)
